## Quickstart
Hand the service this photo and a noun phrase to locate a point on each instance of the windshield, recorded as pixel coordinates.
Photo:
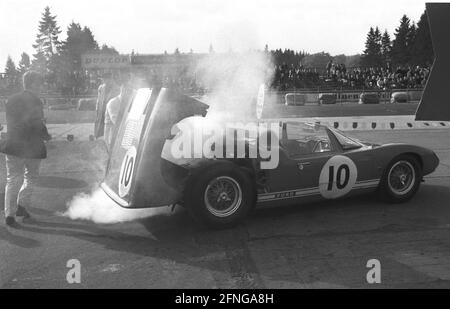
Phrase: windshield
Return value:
(347, 142)
(305, 138)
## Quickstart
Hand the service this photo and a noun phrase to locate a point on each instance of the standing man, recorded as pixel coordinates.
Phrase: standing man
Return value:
(24, 146)
(106, 91)
(115, 111)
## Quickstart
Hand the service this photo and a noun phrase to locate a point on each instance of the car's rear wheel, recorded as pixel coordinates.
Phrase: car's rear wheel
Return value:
(401, 179)
(220, 196)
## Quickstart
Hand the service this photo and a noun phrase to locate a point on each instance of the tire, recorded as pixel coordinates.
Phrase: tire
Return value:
(210, 183)
(401, 179)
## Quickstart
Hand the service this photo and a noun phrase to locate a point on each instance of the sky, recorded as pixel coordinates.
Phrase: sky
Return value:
(153, 26)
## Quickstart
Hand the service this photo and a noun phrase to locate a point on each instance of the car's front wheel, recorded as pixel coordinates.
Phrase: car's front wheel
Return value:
(220, 196)
(401, 179)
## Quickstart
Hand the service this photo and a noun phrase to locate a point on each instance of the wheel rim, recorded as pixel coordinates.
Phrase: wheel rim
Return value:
(401, 177)
(223, 196)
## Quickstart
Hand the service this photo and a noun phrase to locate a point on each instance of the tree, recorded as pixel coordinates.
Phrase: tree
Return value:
(12, 75)
(24, 63)
(108, 50)
(422, 49)
(318, 60)
(372, 53)
(349, 61)
(47, 43)
(79, 41)
(386, 46)
(68, 70)
(410, 39)
(39, 62)
(401, 53)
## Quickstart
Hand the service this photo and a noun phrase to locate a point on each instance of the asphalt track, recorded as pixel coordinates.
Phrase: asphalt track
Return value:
(301, 246)
(338, 110)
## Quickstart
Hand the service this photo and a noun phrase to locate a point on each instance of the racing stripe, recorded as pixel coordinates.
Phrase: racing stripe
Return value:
(282, 195)
(288, 194)
(366, 184)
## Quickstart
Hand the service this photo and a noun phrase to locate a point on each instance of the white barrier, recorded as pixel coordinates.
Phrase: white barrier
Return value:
(295, 99)
(399, 97)
(354, 96)
(86, 104)
(327, 98)
(371, 123)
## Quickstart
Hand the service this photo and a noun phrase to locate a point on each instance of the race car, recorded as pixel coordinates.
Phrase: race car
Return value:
(303, 162)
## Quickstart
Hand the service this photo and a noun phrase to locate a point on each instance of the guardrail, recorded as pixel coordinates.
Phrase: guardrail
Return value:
(344, 96)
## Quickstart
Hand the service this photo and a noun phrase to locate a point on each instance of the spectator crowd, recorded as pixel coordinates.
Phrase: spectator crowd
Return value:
(337, 76)
(382, 78)
(288, 77)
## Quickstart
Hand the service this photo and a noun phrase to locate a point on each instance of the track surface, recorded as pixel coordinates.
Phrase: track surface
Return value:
(338, 110)
(316, 245)
(341, 110)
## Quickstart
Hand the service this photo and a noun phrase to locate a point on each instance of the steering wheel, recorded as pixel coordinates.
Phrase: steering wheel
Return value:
(321, 146)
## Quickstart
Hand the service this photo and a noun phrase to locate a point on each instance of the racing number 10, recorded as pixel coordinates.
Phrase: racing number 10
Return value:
(342, 176)
(128, 171)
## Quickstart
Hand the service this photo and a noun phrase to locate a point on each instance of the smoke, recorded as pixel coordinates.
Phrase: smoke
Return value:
(232, 81)
(99, 208)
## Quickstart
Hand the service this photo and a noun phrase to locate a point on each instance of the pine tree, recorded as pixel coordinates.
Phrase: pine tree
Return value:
(377, 47)
(372, 53)
(79, 41)
(400, 45)
(47, 43)
(108, 50)
(24, 63)
(386, 46)
(39, 62)
(67, 65)
(12, 75)
(422, 49)
(411, 37)
(88, 39)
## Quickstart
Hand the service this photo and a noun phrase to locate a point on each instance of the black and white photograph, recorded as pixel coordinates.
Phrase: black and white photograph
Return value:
(224, 150)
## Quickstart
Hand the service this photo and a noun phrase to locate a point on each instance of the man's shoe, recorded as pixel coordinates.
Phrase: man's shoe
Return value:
(10, 221)
(22, 212)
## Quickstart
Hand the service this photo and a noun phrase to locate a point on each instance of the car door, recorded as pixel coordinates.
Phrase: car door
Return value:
(304, 150)
(367, 167)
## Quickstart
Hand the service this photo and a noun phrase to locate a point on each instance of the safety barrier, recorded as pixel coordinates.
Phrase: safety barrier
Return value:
(327, 98)
(399, 97)
(295, 99)
(369, 98)
(371, 123)
(86, 104)
(345, 96)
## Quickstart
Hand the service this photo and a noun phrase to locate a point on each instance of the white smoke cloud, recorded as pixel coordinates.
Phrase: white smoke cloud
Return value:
(99, 208)
(232, 81)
